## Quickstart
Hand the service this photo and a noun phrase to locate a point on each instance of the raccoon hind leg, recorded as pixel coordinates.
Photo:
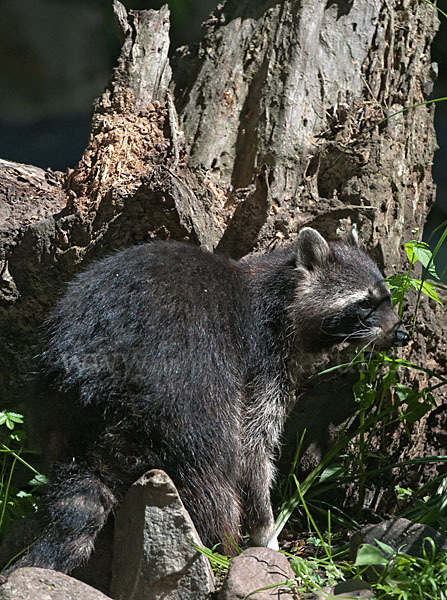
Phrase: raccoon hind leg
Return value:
(214, 505)
(75, 509)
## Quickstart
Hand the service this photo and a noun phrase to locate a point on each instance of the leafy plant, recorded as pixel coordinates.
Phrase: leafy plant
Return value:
(400, 284)
(430, 504)
(406, 577)
(14, 502)
(356, 449)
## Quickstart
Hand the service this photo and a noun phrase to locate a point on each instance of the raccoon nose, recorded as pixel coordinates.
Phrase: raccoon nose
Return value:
(401, 337)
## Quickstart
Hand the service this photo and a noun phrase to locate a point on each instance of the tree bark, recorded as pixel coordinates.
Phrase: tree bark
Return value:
(299, 85)
(275, 121)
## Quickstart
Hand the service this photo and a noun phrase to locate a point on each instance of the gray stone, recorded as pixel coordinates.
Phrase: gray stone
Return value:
(33, 583)
(399, 534)
(257, 568)
(153, 557)
(346, 590)
(353, 588)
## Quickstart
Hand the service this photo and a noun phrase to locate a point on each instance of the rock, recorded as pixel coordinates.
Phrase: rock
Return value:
(96, 572)
(398, 533)
(257, 568)
(353, 588)
(152, 554)
(44, 584)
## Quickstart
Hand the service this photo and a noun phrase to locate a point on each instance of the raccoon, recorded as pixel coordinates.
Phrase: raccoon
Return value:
(167, 356)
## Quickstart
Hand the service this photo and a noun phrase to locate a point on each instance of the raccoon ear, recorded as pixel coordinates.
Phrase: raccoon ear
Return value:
(312, 250)
(354, 236)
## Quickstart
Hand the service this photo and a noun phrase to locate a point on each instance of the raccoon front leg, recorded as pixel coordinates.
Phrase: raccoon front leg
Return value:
(265, 412)
(75, 509)
(257, 477)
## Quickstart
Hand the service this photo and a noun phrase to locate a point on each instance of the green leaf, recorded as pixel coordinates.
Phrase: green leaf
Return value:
(405, 393)
(421, 251)
(23, 494)
(403, 493)
(216, 559)
(18, 436)
(332, 472)
(416, 408)
(16, 417)
(398, 285)
(386, 549)
(364, 394)
(368, 555)
(39, 479)
(10, 419)
(416, 411)
(429, 290)
(314, 541)
(426, 288)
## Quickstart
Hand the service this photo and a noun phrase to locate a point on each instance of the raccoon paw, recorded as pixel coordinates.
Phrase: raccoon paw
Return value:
(273, 542)
(266, 538)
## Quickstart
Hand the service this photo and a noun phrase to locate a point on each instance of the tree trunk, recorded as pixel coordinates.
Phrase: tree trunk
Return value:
(274, 122)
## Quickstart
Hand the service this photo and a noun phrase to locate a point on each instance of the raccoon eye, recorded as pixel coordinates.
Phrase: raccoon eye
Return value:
(366, 304)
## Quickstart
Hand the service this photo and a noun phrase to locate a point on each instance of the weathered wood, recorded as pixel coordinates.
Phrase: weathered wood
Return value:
(30, 198)
(143, 72)
(136, 154)
(296, 86)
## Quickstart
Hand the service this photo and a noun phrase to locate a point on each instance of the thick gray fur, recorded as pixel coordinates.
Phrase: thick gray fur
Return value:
(166, 356)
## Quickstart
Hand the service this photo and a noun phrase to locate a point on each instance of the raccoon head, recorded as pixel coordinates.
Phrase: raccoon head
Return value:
(342, 296)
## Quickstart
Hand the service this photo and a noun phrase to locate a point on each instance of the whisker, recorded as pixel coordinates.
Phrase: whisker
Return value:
(359, 333)
(361, 350)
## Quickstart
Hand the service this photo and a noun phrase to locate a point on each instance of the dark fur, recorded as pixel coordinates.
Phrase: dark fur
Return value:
(167, 356)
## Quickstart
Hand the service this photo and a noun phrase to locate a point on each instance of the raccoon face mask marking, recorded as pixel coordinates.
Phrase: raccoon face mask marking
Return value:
(370, 319)
(344, 296)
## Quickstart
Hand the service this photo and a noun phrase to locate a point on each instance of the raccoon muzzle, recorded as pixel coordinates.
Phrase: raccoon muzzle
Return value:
(401, 337)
